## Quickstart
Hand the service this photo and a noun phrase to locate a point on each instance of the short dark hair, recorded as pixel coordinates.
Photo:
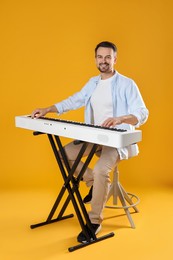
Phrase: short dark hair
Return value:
(106, 44)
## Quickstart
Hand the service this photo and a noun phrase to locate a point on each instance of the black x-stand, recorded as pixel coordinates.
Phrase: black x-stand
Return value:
(71, 184)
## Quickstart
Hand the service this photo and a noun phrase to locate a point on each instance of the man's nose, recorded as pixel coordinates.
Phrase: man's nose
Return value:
(104, 59)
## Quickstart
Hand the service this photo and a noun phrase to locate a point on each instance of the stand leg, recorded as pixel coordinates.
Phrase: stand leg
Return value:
(73, 248)
(71, 185)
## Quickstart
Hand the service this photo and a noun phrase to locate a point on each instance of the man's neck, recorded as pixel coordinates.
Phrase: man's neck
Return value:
(107, 75)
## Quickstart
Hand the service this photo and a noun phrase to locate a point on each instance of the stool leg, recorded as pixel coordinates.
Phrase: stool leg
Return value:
(123, 202)
(117, 191)
(128, 199)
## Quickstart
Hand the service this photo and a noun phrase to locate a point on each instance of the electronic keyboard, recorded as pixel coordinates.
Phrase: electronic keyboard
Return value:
(112, 137)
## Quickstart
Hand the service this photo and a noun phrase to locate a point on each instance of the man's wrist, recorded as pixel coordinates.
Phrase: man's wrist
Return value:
(122, 119)
(129, 119)
(51, 109)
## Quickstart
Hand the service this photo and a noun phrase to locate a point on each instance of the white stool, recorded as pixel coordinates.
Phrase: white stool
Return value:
(125, 198)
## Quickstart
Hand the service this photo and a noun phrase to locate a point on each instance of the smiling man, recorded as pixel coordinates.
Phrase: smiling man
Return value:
(105, 60)
(110, 100)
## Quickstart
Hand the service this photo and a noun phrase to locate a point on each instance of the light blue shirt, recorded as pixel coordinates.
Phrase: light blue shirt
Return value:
(126, 99)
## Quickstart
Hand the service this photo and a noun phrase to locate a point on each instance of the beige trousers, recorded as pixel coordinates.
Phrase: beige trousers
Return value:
(99, 176)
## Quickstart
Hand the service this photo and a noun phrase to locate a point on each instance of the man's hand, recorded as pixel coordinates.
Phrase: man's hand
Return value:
(39, 112)
(112, 121)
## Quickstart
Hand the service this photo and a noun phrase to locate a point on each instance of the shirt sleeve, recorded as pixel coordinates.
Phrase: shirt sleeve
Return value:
(136, 104)
(77, 100)
(71, 103)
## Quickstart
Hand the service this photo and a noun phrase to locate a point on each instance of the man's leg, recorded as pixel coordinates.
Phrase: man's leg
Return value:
(108, 160)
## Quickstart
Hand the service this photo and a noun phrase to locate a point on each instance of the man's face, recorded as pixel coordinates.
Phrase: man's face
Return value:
(105, 59)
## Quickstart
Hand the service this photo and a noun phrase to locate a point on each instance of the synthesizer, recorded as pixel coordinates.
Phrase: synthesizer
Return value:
(112, 137)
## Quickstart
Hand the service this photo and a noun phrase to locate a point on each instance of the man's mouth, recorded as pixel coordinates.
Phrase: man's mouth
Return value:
(104, 65)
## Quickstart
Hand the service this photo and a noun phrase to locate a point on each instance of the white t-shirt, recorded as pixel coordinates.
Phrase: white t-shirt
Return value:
(101, 101)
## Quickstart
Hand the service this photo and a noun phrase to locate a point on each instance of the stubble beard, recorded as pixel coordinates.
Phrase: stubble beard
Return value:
(104, 68)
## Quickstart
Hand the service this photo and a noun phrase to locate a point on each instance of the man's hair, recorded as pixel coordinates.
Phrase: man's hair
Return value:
(106, 44)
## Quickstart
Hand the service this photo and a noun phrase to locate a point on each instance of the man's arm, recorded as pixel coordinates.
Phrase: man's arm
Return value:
(43, 111)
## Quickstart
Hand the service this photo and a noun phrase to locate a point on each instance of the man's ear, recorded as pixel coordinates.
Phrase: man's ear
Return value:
(115, 59)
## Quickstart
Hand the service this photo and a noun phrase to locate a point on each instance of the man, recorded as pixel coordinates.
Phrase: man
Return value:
(110, 100)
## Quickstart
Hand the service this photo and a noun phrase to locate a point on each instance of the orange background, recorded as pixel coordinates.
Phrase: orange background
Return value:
(47, 53)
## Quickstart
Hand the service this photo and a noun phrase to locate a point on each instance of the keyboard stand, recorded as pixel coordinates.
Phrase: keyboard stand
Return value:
(71, 185)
